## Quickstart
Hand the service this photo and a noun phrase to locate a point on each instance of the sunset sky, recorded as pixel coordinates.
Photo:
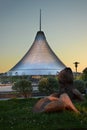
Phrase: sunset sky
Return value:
(64, 23)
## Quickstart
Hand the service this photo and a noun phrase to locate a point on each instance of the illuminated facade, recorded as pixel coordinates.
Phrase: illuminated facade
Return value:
(39, 60)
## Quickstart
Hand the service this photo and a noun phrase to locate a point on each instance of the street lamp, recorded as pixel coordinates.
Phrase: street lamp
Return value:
(76, 65)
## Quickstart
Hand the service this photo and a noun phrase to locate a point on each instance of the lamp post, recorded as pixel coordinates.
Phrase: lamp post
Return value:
(76, 65)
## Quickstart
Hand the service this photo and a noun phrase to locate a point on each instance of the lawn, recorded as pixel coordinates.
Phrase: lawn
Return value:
(16, 114)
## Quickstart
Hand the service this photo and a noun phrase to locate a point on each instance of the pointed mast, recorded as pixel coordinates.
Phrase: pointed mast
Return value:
(40, 19)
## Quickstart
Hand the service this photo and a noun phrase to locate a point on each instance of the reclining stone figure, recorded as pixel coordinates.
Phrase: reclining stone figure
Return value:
(54, 104)
(62, 100)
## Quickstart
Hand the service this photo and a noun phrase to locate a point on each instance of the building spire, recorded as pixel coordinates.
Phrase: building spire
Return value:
(40, 19)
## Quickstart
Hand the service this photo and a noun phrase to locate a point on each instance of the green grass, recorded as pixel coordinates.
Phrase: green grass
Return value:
(16, 114)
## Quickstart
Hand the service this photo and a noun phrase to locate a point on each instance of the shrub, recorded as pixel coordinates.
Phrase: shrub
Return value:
(23, 87)
(80, 85)
(43, 84)
(48, 85)
(86, 87)
(84, 74)
(53, 84)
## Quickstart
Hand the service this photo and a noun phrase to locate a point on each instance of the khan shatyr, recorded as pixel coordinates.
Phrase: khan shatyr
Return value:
(39, 60)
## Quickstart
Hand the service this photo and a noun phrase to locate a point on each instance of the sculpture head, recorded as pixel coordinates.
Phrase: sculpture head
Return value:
(66, 76)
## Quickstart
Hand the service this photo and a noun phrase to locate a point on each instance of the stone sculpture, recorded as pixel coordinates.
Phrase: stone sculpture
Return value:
(65, 79)
(54, 104)
(62, 100)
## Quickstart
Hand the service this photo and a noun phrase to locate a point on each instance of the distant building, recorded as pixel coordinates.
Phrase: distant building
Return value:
(39, 60)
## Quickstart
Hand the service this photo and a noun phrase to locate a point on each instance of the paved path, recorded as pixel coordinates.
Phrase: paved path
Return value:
(5, 88)
(8, 88)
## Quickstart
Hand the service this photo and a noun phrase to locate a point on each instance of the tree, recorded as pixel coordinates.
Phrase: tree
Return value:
(86, 87)
(80, 85)
(53, 84)
(84, 74)
(48, 85)
(23, 87)
(43, 84)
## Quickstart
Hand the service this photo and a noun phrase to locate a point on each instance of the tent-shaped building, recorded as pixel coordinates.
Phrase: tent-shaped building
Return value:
(39, 60)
